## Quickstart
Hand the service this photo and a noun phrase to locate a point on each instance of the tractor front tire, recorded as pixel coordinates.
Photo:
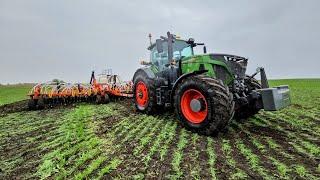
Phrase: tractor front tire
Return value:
(144, 94)
(203, 104)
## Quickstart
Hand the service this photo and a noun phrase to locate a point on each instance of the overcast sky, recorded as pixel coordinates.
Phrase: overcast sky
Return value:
(41, 39)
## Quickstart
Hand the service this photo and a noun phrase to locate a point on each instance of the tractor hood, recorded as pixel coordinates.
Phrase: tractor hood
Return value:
(237, 65)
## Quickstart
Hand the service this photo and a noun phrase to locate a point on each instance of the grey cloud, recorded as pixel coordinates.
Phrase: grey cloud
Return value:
(41, 40)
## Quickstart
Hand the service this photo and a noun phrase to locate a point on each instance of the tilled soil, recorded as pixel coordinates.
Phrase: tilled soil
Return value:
(14, 107)
(114, 141)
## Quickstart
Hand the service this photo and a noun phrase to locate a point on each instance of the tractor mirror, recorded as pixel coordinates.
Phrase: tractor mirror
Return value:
(204, 49)
(159, 45)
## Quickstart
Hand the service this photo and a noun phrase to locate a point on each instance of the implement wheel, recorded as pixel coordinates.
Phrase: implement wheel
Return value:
(203, 104)
(98, 99)
(106, 98)
(32, 104)
(41, 103)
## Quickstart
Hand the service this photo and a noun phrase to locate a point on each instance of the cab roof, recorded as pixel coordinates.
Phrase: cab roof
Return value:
(175, 37)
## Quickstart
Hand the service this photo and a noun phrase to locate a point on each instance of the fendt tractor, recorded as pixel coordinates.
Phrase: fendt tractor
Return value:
(206, 90)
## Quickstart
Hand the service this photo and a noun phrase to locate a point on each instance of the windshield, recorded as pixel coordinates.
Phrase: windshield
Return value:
(181, 49)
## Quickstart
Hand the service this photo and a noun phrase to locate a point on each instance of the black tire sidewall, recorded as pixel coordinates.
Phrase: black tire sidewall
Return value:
(106, 98)
(41, 103)
(98, 99)
(32, 104)
(140, 78)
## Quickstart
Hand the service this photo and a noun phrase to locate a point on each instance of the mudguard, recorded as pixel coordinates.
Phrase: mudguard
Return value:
(183, 77)
(146, 71)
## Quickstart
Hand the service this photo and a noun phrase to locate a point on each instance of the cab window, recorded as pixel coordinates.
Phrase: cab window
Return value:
(160, 59)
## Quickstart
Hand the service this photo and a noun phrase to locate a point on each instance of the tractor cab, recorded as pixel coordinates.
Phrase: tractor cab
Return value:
(165, 52)
(180, 49)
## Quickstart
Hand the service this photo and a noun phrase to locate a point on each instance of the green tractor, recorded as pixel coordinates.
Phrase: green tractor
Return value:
(206, 91)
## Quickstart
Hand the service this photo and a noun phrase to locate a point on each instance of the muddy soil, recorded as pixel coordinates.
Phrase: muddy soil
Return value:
(21, 155)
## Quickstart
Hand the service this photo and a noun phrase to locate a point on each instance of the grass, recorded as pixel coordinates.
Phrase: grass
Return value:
(253, 159)
(281, 167)
(312, 149)
(237, 173)
(178, 155)
(195, 153)
(94, 165)
(143, 141)
(212, 158)
(304, 92)
(111, 141)
(108, 168)
(80, 145)
(157, 143)
(166, 144)
(13, 93)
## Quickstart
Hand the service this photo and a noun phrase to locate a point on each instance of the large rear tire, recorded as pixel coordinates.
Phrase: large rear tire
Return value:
(248, 110)
(203, 104)
(144, 94)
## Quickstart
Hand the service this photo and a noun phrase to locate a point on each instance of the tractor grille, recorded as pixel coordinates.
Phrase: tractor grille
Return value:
(238, 68)
(237, 64)
(220, 72)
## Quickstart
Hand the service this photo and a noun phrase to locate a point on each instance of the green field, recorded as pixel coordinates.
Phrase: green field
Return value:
(87, 141)
(13, 93)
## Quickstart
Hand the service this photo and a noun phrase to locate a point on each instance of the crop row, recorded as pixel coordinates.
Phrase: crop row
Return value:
(94, 142)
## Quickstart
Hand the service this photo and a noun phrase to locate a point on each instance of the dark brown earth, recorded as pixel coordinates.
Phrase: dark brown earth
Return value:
(21, 153)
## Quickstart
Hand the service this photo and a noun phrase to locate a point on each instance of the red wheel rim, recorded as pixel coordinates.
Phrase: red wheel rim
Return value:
(141, 94)
(185, 104)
